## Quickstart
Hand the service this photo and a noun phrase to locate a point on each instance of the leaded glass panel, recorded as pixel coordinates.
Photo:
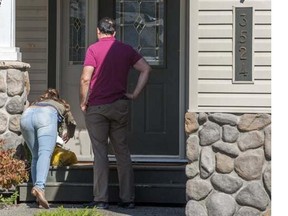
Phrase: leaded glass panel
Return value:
(140, 24)
(77, 43)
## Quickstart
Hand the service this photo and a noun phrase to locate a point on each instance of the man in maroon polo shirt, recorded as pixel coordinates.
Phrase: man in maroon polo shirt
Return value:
(104, 101)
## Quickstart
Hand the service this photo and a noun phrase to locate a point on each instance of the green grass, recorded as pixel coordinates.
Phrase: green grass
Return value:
(61, 211)
(9, 200)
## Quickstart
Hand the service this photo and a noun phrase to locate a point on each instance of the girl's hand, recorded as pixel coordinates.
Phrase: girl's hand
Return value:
(65, 137)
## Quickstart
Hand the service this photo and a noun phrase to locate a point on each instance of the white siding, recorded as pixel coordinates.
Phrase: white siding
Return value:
(213, 66)
(32, 38)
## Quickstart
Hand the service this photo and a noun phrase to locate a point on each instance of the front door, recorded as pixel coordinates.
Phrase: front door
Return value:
(152, 28)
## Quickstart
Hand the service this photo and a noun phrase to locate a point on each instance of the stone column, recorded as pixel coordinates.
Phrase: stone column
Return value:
(8, 51)
(14, 89)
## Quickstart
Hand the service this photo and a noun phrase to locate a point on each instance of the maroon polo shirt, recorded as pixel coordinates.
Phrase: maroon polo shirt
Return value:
(112, 61)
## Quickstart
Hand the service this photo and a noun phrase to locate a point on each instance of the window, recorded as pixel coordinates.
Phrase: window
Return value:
(77, 43)
(140, 23)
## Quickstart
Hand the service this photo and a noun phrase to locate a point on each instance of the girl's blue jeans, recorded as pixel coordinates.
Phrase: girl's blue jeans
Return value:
(39, 130)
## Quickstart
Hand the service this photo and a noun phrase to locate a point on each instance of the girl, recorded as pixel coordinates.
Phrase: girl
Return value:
(39, 125)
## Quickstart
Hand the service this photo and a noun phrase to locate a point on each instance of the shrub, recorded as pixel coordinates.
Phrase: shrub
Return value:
(12, 170)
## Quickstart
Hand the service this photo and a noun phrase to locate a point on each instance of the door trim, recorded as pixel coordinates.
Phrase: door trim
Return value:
(183, 75)
(52, 42)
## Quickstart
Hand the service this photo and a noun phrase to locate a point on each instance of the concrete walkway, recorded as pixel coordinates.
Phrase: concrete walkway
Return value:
(30, 209)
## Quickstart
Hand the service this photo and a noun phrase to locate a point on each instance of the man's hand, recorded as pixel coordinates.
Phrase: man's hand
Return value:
(83, 107)
(130, 96)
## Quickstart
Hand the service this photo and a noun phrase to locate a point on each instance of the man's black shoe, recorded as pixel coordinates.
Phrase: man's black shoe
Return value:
(127, 205)
(98, 205)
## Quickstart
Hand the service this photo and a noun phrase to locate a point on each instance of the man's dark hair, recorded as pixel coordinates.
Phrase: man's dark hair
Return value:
(107, 26)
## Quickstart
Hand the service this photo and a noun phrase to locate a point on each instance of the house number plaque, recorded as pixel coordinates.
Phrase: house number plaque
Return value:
(243, 52)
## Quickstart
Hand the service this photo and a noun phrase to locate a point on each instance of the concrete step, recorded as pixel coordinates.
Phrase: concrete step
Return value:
(83, 192)
(154, 183)
(143, 174)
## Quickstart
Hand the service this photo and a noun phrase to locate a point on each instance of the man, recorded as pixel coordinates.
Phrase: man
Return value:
(104, 101)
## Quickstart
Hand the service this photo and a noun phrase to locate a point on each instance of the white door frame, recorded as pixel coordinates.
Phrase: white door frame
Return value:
(183, 73)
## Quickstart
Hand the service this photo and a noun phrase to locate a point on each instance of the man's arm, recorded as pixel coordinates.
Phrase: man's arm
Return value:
(84, 86)
(144, 68)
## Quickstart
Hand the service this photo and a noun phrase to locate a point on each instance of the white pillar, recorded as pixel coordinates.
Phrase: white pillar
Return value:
(8, 51)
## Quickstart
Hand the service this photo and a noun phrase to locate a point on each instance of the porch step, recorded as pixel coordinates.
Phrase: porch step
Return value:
(154, 183)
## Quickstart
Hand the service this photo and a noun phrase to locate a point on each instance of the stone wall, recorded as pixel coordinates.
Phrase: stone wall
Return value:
(14, 88)
(229, 169)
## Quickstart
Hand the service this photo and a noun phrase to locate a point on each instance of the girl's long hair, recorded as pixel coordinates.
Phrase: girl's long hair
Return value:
(52, 94)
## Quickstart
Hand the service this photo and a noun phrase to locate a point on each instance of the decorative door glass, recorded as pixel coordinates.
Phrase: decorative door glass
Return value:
(140, 23)
(77, 43)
